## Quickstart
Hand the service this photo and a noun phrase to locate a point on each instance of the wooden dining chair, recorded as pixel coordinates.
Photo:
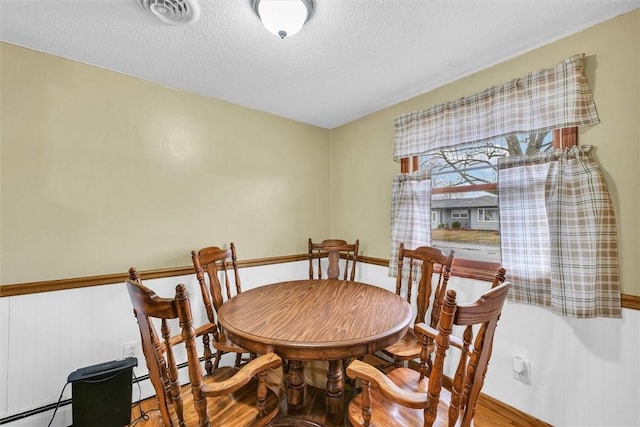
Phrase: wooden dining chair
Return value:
(407, 397)
(341, 256)
(229, 396)
(217, 273)
(422, 264)
(206, 331)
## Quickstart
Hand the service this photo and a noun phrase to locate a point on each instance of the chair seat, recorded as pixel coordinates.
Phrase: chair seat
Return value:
(395, 414)
(234, 409)
(225, 345)
(407, 348)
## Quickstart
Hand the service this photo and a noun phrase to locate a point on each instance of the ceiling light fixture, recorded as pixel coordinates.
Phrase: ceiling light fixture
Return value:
(283, 17)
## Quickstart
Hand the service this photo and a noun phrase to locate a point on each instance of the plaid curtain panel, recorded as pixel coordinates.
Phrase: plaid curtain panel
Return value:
(524, 233)
(410, 214)
(558, 233)
(554, 98)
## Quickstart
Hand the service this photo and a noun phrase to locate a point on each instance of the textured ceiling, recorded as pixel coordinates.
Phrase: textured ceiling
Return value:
(352, 58)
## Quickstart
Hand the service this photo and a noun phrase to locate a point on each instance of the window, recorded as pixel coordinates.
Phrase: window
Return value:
(459, 214)
(487, 215)
(541, 219)
(464, 191)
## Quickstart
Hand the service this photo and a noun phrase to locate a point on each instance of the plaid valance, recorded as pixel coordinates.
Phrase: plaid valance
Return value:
(553, 98)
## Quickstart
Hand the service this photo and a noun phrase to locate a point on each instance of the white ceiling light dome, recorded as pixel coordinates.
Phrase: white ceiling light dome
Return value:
(283, 17)
(173, 12)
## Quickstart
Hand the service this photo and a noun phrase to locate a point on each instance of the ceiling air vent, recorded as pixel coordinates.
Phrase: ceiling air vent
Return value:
(173, 12)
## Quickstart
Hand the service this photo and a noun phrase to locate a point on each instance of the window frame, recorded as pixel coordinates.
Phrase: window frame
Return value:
(485, 270)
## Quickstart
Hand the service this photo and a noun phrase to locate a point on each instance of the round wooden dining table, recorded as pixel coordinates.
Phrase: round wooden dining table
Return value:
(306, 320)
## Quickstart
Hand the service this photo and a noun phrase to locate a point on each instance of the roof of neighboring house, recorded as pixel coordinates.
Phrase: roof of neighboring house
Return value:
(475, 202)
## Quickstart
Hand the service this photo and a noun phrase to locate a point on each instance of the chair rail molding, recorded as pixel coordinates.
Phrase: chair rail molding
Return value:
(461, 268)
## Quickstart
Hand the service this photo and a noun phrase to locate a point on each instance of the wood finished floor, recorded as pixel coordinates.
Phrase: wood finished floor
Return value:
(485, 416)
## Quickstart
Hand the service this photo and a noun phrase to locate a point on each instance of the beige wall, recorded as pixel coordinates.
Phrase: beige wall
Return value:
(94, 161)
(101, 171)
(361, 151)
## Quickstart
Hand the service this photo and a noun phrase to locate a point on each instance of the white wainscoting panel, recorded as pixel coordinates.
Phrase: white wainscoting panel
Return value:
(584, 372)
(4, 353)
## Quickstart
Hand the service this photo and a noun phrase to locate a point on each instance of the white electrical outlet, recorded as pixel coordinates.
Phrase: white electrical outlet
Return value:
(130, 349)
(521, 369)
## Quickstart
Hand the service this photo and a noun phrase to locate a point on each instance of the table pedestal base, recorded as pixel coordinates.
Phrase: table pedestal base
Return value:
(313, 399)
(312, 412)
(296, 386)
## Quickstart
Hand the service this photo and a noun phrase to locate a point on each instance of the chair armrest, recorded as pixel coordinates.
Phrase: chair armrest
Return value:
(424, 329)
(427, 330)
(242, 376)
(385, 386)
